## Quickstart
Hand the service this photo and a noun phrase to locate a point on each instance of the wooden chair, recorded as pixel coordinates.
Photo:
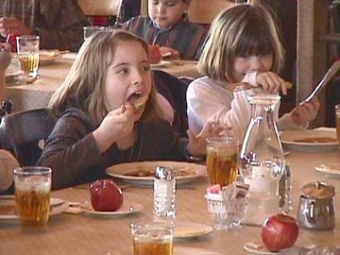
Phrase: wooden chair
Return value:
(101, 8)
(200, 11)
(21, 133)
(174, 90)
(204, 11)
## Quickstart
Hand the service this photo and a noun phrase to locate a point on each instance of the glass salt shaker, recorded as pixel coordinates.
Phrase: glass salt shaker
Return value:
(164, 193)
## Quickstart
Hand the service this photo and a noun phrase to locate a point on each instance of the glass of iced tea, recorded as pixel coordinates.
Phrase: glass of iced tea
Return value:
(152, 238)
(28, 54)
(32, 195)
(337, 121)
(222, 160)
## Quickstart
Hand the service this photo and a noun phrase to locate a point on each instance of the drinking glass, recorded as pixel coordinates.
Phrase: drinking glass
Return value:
(32, 195)
(337, 121)
(89, 30)
(222, 160)
(152, 238)
(227, 214)
(28, 54)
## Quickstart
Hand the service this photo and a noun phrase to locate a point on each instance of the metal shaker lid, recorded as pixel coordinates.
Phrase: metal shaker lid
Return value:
(164, 173)
(318, 190)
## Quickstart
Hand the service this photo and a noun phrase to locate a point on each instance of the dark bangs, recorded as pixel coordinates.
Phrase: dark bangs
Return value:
(255, 41)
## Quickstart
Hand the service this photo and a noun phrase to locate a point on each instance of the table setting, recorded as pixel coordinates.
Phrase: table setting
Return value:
(89, 233)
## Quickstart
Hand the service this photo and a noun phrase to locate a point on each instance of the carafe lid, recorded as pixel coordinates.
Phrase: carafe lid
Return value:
(318, 190)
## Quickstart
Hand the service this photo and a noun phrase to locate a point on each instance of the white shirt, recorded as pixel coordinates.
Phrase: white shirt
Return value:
(208, 98)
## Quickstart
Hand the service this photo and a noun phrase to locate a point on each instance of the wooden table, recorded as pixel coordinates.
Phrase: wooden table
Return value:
(87, 235)
(38, 94)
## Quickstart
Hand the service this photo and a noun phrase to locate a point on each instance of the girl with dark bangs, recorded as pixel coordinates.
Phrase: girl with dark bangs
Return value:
(243, 45)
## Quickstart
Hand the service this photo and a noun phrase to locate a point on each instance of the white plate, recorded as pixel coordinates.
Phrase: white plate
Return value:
(57, 206)
(121, 171)
(47, 57)
(258, 248)
(290, 141)
(127, 208)
(191, 230)
(178, 250)
(163, 63)
(329, 168)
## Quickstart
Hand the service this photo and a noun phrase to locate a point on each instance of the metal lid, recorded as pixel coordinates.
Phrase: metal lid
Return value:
(318, 190)
(164, 173)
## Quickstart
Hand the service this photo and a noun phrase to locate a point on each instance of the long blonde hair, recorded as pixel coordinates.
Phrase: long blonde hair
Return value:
(240, 30)
(83, 87)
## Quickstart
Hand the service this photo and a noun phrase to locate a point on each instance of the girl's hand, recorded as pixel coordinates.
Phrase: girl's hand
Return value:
(271, 82)
(306, 112)
(197, 144)
(169, 52)
(116, 124)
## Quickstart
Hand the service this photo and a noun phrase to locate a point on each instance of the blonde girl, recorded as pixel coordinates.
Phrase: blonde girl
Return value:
(108, 113)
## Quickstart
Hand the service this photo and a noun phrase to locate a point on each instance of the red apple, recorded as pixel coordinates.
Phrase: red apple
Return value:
(12, 40)
(279, 232)
(106, 195)
(155, 54)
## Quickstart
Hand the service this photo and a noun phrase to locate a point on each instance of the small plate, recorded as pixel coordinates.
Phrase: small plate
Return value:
(300, 140)
(331, 168)
(127, 208)
(191, 230)
(47, 57)
(163, 63)
(258, 248)
(188, 172)
(7, 207)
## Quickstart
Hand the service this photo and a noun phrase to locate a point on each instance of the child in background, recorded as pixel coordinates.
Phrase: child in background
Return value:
(108, 114)
(242, 46)
(168, 26)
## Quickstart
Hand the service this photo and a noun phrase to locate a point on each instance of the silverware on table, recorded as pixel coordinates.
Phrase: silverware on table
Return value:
(328, 76)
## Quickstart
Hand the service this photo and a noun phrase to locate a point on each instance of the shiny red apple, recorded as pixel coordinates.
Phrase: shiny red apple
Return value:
(106, 195)
(279, 231)
(155, 54)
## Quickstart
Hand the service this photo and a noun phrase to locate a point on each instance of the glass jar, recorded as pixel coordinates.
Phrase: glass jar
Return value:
(262, 160)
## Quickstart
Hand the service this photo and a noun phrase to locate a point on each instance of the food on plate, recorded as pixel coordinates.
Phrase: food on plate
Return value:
(150, 172)
(279, 231)
(106, 196)
(323, 139)
(155, 54)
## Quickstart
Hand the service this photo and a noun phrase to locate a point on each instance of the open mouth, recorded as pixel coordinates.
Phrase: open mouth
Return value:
(138, 100)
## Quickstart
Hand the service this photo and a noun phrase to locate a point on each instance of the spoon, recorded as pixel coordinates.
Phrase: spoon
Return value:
(328, 76)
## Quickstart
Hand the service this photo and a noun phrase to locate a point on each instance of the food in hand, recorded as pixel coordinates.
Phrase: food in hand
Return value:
(106, 196)
(279, 232)
(140, 102)
(155, 54)
(12, 40)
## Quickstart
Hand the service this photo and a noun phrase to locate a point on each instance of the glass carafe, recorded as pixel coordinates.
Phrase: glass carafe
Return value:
(262, 160)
